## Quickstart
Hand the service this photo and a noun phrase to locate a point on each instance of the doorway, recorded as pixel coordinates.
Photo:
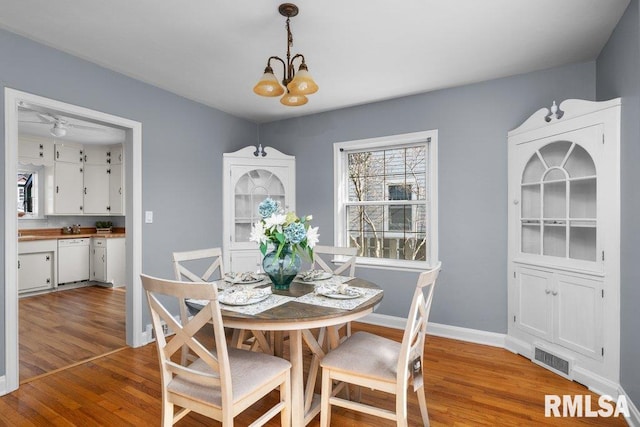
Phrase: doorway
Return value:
(133, 220)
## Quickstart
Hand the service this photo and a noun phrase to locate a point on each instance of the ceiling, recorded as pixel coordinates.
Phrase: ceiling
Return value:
(36, 120)
(358, 51)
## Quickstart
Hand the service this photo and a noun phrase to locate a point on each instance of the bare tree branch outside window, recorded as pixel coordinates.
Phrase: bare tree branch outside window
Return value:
(388, 230)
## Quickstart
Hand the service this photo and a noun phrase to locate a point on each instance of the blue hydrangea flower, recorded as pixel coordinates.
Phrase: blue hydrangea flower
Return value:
(267, 207)
(295, 233)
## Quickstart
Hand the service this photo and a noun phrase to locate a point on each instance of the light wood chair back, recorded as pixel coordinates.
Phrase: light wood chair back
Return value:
(214, 384)
(207, 260)
(182, 272)
(348, 266)
(393, 367)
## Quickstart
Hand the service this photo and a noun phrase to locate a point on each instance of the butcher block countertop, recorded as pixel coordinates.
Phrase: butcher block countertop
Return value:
(31, 234)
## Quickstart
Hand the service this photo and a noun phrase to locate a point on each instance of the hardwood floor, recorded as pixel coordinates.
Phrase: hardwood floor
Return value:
(467, 385)
(62, 328)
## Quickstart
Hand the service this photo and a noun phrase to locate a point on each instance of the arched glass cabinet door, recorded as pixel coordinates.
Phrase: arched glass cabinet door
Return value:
(558, 214)
(250, 189)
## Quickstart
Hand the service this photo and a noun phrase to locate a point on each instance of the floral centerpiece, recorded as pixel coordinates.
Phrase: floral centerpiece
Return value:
(290, 237)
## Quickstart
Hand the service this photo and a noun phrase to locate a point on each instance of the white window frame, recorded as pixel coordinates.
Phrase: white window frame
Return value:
(340, 169)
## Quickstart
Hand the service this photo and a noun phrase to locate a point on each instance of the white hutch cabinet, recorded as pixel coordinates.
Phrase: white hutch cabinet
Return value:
(249, 176)
(564, 241)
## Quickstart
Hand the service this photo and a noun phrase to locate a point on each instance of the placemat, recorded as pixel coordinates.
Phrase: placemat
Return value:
(333, 280)
(252, 309)
(346, 304)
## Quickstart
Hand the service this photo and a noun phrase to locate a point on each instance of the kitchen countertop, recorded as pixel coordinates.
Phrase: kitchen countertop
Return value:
(29, 235)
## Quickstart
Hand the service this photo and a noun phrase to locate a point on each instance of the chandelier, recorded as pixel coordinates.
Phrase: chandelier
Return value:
(297, 84)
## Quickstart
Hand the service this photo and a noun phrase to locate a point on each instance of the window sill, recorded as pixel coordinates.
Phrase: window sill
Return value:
(388, 264)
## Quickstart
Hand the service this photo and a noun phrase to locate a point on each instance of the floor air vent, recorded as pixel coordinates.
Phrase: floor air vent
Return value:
(552, 361)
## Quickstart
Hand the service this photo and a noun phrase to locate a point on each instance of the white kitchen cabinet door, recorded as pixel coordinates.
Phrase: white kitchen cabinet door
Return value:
(68, 189)
(68, 152)
(96, 154)
(35, 271)
(96, 189)
(116, 190)
(35, 150)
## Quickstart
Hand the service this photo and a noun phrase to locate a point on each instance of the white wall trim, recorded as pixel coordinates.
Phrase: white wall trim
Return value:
(3, 385)
(133, 221)
(476, 336)
(634, 414)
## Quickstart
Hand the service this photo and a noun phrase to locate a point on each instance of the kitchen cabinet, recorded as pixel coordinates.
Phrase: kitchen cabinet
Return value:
(35, 150)
(36, 266)
(67, 191)
(249, 176)
(564, 240)
(108, 260)
(83, 180)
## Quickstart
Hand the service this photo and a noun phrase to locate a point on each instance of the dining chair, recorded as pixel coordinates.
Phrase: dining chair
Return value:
(347, 266)
(219, 384)
(322, 256)
(208, 261)
(378, 363)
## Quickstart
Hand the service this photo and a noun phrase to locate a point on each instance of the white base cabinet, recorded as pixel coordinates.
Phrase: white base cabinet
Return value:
(36, 266)
(564, 241)
(108, 257)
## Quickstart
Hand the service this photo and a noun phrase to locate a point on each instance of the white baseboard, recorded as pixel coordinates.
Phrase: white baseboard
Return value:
(3, 385)
(634, 414)
(454, 332)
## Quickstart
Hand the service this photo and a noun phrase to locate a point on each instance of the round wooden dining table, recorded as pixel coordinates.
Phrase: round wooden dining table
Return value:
(298, 319)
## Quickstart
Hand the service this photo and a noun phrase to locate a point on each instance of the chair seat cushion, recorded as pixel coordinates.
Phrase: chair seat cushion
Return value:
(249, 370)
(367, 355)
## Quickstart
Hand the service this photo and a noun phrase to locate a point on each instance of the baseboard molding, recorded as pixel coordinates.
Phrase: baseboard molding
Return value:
(634, 414)
(437, 329)
(3, 385)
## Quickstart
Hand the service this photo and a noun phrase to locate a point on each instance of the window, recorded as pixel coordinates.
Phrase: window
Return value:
(386, 199)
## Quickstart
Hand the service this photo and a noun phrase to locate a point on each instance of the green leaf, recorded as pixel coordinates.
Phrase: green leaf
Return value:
(263, 248)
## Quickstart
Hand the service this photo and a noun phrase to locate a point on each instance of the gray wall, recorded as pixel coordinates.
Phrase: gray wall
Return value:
(472, 122)
(182, 147)
(618, 75)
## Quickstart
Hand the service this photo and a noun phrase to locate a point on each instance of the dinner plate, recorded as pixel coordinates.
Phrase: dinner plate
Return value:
(244, 279)
(313, 275)
(349, 293)
(235, 298)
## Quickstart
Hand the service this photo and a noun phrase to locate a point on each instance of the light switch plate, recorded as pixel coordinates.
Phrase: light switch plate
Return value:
(148, 217)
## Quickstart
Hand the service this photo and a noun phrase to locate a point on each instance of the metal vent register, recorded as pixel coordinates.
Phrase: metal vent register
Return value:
(551, 360)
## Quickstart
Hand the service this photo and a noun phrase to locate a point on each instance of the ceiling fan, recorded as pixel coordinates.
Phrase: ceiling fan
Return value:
(59, 125)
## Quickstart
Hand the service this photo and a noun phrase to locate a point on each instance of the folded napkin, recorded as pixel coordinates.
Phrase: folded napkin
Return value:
(243, 277)
(311, 275)
(237, 296)
(341, 289)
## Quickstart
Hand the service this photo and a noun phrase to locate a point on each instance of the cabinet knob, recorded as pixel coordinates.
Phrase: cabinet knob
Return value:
(515, 202)
(554, 293)
(547, 291)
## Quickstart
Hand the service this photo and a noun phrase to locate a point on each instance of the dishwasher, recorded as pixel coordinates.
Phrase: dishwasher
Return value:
(73, 260)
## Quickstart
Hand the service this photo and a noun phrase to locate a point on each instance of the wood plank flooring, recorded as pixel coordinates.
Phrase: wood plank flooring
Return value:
(62, 328)
(467, 385)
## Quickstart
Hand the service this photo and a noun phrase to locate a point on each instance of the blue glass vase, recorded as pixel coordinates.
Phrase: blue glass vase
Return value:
(281, 269)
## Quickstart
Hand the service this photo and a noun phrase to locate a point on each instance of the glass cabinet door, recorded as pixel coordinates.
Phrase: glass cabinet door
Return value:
(558, 209)
(250, 189)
